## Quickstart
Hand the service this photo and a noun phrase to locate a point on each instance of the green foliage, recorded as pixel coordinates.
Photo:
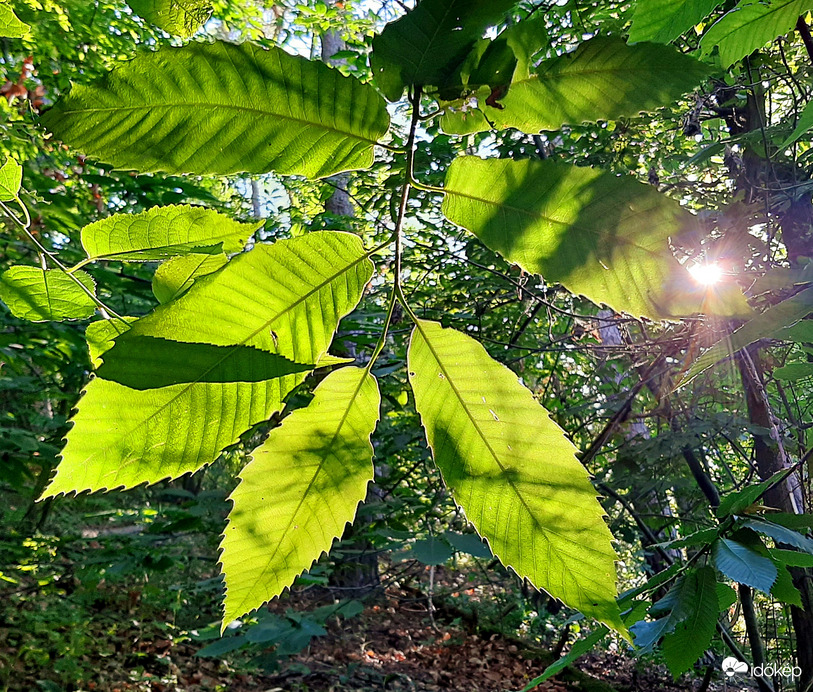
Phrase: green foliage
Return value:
(174, 277)
(221, 108)
(426, 46)
(487, 434)
(663, 21)
(179, 17)
(603, 78)
(750, 25)
(187, 380)
(694, 632)
(39, 295)
(11, 177)
(10, 24)
(599, 235)
(314, 470)
(164, 232)
(742, 564)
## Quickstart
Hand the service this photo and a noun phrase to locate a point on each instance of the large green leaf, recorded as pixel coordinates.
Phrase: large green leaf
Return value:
(600, 235)
(187, 380)
(780, 534)
(662, 21)
(604, 78)
(221, 108)
(426, 45)
(742, 564)
(163, 232)
(750, 25)
(301, 488)
(773, 323)
(513, 472)
(693, 634)
(174, 277)
(11, 177)
(40, 295)
(10, 25)
(178, 17)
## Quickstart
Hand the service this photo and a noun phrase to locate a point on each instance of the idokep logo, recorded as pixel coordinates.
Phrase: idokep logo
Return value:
(731, 666)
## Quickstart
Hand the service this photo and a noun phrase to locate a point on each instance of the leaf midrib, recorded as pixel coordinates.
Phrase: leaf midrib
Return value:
(81, 112)
(494, 456)
(234, 347)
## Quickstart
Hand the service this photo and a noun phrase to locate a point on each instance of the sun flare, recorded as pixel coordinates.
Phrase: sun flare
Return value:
(706, 273)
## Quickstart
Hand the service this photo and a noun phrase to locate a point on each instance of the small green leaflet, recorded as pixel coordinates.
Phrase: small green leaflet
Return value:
(600, 235)
(177, 17)
(513, 472)
(163, 232)
(794, 371)
(579, 649)
(425, 46)
(221, 108)
(603, 79)
(430, 551)
(744, 565)
(10, 25)
(187, 380)
(662, 21)
(174, 277)
(739, 500)
(750, 25)
(40, 295)
(783, 589)
(101, 334)
(802, 127)
(300, 489)
(770, 323)
(693, 634)
(11, 177)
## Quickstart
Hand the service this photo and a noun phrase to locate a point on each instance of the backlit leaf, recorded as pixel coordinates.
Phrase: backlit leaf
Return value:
(513, 472)
(40, 295)
(10, 25)
(163, 232)
(600, 235)
(426, 45)
(174, 277)
(11, 177)
(750, 25)
(178, 17)
(300, 489)
(188, 379)
(662, 21)
(603, 79)
(222, 108)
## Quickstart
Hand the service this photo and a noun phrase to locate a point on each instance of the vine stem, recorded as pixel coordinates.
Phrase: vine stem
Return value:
(26, 228)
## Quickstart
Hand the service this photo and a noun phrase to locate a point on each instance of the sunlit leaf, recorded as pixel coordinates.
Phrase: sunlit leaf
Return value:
(222, 108)
(178, 17)
(598, 234)
(11, 177)
(174, 277)
(10, 24)
(750, 25)
(513, 472)
(163, 232)
(662, 21)
(187, 380)
(40, 295)
(299, 491)
(603, 79)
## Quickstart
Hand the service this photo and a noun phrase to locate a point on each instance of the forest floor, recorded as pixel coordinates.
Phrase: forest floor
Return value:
(130, 610)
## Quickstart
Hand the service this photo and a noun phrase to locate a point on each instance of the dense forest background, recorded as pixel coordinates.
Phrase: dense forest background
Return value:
(696, 431)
